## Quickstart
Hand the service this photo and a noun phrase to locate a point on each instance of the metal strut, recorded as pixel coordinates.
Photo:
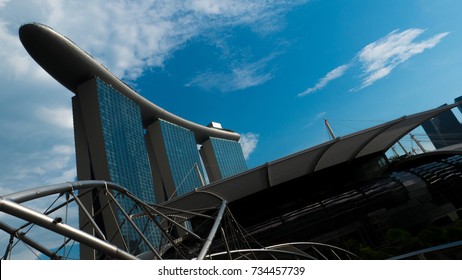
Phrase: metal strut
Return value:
(213, 231)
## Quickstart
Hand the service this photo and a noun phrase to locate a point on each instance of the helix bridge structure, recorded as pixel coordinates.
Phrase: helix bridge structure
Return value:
(51, 231)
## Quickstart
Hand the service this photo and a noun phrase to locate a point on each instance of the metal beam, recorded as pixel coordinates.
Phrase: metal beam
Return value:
(44, 221)
(213, 231)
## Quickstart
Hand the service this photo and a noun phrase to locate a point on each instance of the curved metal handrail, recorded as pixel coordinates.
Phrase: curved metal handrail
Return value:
(10, 207)
(31, 194)
(11, 204)
(278, 248)
(430, 250)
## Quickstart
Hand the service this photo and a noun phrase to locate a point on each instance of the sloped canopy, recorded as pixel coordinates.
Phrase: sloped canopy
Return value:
(377, 139)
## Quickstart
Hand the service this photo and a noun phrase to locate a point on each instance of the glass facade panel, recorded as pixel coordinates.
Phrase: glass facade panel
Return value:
(229, 157)
(443, 130)
(126, 152)
(183, 157)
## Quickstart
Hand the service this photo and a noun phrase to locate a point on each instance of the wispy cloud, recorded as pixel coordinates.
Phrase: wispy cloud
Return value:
(316, 118)
(332, 75)
(60, 117)
(239, 77)
(144, 34)
(379, 58)
(249, 143)
(131, 36)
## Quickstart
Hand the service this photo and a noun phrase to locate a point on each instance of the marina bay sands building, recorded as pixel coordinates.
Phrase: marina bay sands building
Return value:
(156, 161)
(114, 146)
(123, 138)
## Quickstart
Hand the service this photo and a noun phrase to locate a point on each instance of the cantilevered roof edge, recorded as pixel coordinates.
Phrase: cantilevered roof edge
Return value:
(71, 66)
(267, 175)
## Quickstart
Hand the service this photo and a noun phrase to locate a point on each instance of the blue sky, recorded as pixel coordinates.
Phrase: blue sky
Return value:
(270, 70)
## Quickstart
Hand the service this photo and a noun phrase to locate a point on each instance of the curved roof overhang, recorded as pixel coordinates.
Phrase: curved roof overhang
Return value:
(71, 66)
(374, 140)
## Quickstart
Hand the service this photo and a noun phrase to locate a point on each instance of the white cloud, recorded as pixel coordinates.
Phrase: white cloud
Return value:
(15, 61)
(28, 168)
(332, 75)
(60, 117)
(65, 176)
(144, 34)
(213, 7)
(239, 77)
(3, 3)
(249, 143)
(379, 58)
(130, 36)
(317, 117)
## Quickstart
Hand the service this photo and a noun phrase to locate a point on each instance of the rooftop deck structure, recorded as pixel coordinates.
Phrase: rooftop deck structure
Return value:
(71, 66)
